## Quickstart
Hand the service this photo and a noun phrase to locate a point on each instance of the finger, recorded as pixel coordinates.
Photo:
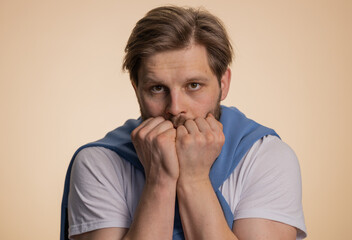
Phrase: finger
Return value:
(143, 123)
(181, 131)
(191, 126)
(153, 123)
(138, 128)
(214, 124)
(147, 125)
(162, 127)
(202, 125)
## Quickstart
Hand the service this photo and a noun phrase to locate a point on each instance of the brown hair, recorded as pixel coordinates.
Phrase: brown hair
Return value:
(171, 28)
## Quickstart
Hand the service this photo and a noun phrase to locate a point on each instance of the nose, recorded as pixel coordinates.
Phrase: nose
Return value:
(176, 104)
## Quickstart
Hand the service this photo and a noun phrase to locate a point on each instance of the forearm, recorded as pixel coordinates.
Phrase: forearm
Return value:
(201, 214)
(154, 216)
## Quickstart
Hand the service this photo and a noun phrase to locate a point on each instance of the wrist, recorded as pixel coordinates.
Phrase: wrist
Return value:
(191, 184)
(161, 182)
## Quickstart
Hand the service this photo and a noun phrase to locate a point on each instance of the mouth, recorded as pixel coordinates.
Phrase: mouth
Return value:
(178, 121)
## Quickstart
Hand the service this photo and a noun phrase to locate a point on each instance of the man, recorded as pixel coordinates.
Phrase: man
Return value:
(189, 168)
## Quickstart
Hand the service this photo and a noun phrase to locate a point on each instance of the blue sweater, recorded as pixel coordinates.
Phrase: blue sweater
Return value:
(240, 134)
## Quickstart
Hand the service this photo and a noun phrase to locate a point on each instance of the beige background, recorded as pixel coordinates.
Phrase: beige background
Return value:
(61, 86)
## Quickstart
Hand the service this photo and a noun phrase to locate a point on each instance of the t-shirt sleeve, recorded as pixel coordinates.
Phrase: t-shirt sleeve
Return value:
(271, 185)
(96, 198)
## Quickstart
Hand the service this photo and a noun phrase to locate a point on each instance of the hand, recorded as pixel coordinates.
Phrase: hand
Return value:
(198, 144)
(154, 141)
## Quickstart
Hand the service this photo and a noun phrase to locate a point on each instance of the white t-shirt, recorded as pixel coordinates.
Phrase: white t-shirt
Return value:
(105, 189)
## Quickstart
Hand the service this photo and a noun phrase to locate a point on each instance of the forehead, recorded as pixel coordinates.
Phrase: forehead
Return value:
(190, 62)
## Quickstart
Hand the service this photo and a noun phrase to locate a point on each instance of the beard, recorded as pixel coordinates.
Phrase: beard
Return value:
(179, 120)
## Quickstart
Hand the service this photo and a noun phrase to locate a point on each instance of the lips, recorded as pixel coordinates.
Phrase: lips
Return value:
(178, 121)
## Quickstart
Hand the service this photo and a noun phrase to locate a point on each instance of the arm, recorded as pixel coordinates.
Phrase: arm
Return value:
(200, 211)
(263, 229)
(104, 233)
(271, 190)
(198, 143)
(154, 141)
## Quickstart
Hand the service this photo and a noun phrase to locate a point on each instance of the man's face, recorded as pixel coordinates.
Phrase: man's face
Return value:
(179, 85)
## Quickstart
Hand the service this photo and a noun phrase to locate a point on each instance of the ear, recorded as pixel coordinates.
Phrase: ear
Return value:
(225, 83)
(134, 86)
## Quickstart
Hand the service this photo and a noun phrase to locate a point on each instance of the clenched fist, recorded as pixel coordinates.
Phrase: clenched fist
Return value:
(154, 141)
(198, 144)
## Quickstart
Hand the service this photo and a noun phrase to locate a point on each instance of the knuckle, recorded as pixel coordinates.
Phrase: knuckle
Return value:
(169, 124)
(149, 137)
(185, 140)
(221, 139)
(198, 120)
(136, 136)
(209, 137)
(159, 119)
(162, 138)
(188, 121)
(142, 133)
(199, 139)
(133, 134)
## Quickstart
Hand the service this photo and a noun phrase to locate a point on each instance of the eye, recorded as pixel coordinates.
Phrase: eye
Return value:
(194, 86)
(157, 89)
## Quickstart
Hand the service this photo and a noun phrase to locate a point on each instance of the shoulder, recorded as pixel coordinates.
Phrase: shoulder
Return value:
(267, 184)
(102, 168)
(271, 153)
(96, 197)
(268, 163)
(99, 165)
(270, 167)
(98, 157)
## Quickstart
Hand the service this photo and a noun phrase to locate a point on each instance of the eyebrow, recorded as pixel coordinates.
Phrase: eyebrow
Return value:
(197, 79)
(151, 80)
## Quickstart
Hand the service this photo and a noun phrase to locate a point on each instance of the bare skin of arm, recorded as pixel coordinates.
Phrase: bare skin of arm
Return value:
(198, 144)
(263, 229)
(154, 141)
(179, 161)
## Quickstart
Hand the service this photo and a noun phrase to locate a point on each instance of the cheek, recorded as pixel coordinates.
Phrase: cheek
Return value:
(153, 108)
(205, 104)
